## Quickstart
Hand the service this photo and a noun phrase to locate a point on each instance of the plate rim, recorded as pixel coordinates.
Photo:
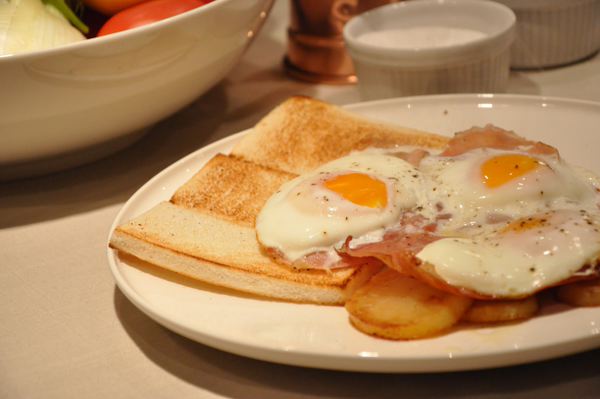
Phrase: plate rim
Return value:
(362, 364)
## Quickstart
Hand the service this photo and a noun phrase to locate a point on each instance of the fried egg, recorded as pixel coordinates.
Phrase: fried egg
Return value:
(360, 195)
(508, 223)
(517, 222)
(482, 186)
(521, 257)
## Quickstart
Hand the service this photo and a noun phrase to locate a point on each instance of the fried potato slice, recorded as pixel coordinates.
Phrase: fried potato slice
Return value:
(501, 310)
(581, 293)
(395, 306)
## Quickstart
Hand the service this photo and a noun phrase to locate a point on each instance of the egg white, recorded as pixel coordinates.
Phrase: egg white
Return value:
(476, 251)
(478, 255)
(305, 217)
(454, 185)
(518, 263)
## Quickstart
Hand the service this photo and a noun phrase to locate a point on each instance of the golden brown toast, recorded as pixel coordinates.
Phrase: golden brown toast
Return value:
(215, 251)
(303, 133)
(231, 188)
(206, 230)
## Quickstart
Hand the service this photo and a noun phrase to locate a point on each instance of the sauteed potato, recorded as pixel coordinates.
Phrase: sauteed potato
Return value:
(501, 311)
(582, 293)
(394, 306)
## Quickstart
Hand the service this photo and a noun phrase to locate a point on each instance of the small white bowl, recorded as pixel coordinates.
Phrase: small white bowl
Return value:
(73, 104)
(477, 62)
(554, 32)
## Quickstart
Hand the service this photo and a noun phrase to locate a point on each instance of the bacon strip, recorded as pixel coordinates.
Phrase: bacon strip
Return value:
(491, 136)
(320, 260)
(397, 249)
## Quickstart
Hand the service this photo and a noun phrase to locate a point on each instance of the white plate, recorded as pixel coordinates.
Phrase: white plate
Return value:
(320, 336)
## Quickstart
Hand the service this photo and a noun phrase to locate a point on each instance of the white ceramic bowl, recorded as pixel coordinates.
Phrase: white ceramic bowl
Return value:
(554, 32)
(471, 64)
(76, 103)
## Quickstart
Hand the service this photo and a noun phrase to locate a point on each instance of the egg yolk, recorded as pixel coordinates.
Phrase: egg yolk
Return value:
(501, 169)
(359, 189)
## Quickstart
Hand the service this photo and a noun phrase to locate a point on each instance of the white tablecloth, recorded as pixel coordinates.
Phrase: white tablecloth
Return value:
(66, 331)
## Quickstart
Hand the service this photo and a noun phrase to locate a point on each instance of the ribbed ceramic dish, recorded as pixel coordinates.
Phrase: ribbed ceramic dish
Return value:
(473, 66)
(554, 32)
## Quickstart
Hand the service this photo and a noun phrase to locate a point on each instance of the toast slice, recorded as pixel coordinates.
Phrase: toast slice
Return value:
(303, 133)
(206, 231)
(230, 188)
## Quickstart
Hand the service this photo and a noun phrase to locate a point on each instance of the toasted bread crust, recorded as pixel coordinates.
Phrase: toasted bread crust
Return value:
(263, 277)
(303, 133)
(231, 188)
(206, 230)
(205, 236)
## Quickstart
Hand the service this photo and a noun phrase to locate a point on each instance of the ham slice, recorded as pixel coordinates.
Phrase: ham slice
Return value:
(399, 247)
(398, 251)
(321, 260)
(490, 136)
(413, 232)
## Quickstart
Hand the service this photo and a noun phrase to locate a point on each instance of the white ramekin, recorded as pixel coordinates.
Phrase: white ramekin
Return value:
(554, 32)
(478, 66)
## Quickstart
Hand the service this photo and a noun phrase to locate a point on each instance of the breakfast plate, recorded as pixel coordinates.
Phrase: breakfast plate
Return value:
(321, 336)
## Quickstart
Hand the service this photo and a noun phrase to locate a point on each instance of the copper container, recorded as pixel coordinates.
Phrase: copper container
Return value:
(316, 51)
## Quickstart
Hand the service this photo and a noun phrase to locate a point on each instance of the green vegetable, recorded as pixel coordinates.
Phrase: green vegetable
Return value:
(65, 10)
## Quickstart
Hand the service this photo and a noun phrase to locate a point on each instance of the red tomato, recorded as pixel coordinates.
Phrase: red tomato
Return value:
(110, 7)
(146, 13)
